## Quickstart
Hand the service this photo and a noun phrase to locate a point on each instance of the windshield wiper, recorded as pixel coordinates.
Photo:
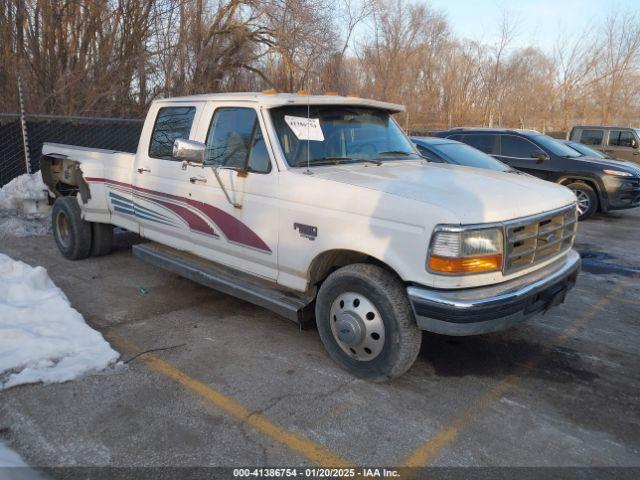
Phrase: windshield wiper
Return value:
(398, 152)
(326, 160)
(337, 161)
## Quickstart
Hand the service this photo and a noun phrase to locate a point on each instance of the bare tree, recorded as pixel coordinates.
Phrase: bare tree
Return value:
(113, 57)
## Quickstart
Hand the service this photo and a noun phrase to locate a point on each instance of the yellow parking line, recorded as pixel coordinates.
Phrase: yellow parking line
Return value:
(313, 451)
(429, 451)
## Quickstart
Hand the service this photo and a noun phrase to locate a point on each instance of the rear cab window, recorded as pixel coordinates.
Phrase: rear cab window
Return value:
(171, 124)
(591, 137)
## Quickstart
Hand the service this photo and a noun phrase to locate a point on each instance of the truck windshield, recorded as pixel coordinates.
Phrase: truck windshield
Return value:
(555, 147)
(339, 134)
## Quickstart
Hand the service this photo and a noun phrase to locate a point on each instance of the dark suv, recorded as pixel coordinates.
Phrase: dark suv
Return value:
(599, 184)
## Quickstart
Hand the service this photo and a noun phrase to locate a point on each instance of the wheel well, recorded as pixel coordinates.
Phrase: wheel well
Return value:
(331, 260)
(591, 183)
(63, 177)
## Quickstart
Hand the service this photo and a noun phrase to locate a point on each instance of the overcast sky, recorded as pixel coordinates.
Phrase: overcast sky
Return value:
(538, 22)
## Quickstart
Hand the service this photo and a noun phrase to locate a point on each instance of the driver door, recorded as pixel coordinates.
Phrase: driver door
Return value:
(237, 190)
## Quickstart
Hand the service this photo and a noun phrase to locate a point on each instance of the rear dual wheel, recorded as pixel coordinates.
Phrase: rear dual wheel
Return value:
(76, 238)
(366, 323)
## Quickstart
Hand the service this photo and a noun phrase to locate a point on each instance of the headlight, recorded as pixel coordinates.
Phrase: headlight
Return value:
(466, 251)
(617, 173)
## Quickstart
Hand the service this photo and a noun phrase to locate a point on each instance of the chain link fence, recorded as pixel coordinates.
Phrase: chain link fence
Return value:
(96, 132)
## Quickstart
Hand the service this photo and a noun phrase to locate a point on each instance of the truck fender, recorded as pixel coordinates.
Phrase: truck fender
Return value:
(58, 171)
(330, 260)
(67, 177)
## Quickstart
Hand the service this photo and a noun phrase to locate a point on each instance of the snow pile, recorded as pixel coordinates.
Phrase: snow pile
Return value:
(19, 470)
(43, 339)
(23, 207)
(9, 458)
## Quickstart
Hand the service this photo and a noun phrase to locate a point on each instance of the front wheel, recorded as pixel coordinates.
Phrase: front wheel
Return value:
(366, 323)
(586, 198)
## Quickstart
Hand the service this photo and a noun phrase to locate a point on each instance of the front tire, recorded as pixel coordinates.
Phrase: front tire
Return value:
(366, 322)
(586, 198)
(71, 233)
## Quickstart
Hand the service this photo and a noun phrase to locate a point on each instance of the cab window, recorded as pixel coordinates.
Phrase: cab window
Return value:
(235, 140)
(171, 124)
(591, 137)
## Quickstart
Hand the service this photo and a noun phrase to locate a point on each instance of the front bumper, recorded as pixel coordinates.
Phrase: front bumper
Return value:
(478, 310)
(622, 192)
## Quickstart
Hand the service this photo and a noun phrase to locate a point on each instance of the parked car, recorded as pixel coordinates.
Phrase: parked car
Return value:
(617, 142)
(444, 150)
(598, 184)
(333, 215)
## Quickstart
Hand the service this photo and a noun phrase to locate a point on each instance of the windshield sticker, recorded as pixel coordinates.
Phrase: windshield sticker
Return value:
(305, 128)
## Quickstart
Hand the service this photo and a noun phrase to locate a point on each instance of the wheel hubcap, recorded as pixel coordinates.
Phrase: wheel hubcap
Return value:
(583, 201)
(64, 230)
(357, 326)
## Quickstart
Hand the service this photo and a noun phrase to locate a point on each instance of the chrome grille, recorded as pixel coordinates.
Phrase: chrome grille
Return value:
(529, 241)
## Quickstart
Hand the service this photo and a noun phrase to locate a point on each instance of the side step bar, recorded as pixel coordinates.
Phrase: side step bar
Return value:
(287, 303)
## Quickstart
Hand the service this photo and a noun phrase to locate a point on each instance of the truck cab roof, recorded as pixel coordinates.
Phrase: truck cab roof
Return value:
(273, 100)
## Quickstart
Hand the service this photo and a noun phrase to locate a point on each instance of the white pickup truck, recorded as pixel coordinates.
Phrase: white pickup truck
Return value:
(320, 207)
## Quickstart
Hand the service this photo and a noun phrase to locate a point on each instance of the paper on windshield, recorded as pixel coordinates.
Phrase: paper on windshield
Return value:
(305, 128)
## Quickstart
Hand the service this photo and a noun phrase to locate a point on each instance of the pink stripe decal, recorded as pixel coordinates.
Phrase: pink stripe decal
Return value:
(233, 229)
(195, 222)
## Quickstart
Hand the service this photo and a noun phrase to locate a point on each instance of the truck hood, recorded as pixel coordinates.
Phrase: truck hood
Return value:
(474, 195)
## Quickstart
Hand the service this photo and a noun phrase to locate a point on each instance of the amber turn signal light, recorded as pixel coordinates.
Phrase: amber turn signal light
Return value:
(487, 263)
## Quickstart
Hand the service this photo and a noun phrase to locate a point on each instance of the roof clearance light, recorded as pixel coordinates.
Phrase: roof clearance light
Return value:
(271, 91)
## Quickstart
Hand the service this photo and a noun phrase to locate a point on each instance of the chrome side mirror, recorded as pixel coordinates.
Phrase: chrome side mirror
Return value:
(189, 152)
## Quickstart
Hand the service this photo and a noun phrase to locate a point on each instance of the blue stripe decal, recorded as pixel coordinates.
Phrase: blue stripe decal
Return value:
(140, 209)
(123, 205)
(137, 209)
(130, 212)
(144, 217)
(119, 197)
(122, 210)
(119, 203)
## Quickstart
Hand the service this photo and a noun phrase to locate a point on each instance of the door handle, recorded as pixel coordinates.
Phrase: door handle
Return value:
(143, 169)
(198, 179)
